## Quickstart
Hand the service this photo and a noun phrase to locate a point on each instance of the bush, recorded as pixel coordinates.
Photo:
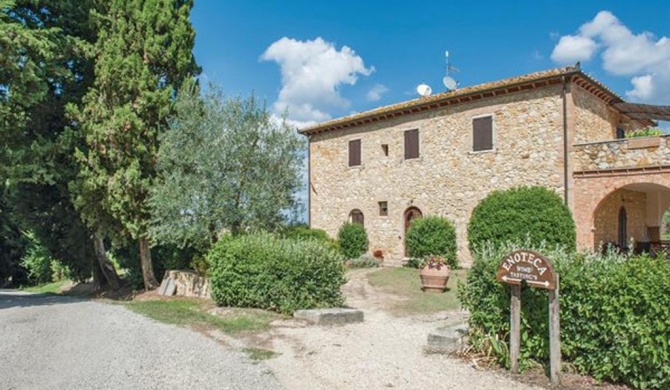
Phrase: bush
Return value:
(518, 213)
(432, 235)
(648, 132)
(263, 271)
(614, 317)
(37, 261)
(353, 240)
(301, 232)
(364, 261)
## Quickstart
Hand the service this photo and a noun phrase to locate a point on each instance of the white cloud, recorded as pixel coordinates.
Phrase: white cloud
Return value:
(375, 93)
(573, 48)
(537, 56)
(642, 57)
(312, 73)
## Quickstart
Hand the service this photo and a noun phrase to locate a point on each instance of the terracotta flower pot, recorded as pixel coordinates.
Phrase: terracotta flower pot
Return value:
(434, 280)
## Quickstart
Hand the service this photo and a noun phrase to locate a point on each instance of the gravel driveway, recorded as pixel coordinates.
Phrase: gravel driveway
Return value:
(52, 342)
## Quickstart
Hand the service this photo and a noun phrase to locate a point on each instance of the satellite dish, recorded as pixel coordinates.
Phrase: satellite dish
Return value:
(449, 83)
(424, 90)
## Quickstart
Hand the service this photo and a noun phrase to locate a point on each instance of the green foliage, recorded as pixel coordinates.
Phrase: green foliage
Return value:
(414, 262)
(263, 271)
(37, 261)
(45, 66)
(12, 245)
(614, 318)
(225, 165)
(301, 232)
(364, 261)
(518, 213)
(432, 235)
(143, 56)
(647, 132)
(353, 240)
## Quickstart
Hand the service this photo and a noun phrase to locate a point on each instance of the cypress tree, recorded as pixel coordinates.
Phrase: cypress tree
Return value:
(143, 56)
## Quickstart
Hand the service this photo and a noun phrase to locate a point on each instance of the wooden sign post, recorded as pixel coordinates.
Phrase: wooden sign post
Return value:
(524, 266)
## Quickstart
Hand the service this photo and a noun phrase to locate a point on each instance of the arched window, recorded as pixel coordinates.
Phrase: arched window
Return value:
(623, 221)
(356, 216)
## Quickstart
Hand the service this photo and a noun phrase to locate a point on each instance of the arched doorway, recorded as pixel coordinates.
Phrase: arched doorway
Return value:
(410, 215)
(631, 213)
(356, 216)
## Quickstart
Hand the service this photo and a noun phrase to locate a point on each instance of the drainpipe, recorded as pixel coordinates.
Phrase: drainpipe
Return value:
(309, 182)
(565, 141)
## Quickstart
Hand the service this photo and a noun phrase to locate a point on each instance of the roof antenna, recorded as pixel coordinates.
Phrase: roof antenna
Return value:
(448, 81)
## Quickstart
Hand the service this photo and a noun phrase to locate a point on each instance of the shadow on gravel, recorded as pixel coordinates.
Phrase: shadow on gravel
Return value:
(13, 298)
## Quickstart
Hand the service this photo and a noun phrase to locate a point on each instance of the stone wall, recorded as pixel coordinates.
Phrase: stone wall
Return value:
(593, 120)
(625, 153)
(448, 178)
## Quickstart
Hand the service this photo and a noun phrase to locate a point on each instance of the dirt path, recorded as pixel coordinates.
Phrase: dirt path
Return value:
(54, 342)
(380, 353)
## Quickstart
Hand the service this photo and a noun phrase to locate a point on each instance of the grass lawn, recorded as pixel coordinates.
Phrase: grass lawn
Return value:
(188, 312)
(49, 288)
(406, 283)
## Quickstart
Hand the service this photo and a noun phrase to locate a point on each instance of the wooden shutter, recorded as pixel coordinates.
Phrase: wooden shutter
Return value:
(482, 133)
(354, 153)
(411, 144)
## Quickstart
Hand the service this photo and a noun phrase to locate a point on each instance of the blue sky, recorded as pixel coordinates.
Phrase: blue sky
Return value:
(328, 59)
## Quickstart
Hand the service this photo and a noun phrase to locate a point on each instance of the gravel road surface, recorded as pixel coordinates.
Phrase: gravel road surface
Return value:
(52, 342)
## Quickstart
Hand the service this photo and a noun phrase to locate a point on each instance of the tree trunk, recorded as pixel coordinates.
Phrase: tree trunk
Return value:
(106, 266)
(98, 278)
(150, 281)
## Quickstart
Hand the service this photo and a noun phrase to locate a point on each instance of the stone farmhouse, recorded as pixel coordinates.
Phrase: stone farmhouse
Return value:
(442, 154)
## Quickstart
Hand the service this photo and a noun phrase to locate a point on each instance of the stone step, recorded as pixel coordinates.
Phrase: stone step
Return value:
(334, 316)
(448, 339)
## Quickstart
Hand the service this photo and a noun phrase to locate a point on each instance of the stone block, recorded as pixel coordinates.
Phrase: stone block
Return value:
(167, 287)
(448, 339)
(334, 316)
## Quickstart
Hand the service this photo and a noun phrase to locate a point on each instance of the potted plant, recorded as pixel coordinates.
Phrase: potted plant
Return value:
(434, 274)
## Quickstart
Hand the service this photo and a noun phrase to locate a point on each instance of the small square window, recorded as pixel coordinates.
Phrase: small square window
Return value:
(385, 149)
(383, 209)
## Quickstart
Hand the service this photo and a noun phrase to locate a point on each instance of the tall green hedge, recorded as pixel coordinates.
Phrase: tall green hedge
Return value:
(353, 240)
(432, 235)
(264, 271)
(615, 317)
(517, 213)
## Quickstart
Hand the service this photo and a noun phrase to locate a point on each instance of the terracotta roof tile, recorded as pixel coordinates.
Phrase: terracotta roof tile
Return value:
(434, 101)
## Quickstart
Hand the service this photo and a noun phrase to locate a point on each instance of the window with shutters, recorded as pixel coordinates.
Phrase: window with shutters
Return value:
(482, 133)
(354, 152)
(411, 144)
(356, 216)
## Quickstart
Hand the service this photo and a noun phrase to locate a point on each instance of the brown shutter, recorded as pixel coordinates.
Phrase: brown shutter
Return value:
(411, 144)
(482, 133)
(354, 152)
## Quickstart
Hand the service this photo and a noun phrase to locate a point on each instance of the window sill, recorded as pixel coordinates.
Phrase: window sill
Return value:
(354, 167)
(494, 150)
(419, 159)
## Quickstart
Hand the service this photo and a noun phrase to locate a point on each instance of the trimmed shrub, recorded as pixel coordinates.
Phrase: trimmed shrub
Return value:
(263, 271)
(301, 232)
(615, 320)
(432, 235)
(518, 213)
(353, 240)
(364, 261)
